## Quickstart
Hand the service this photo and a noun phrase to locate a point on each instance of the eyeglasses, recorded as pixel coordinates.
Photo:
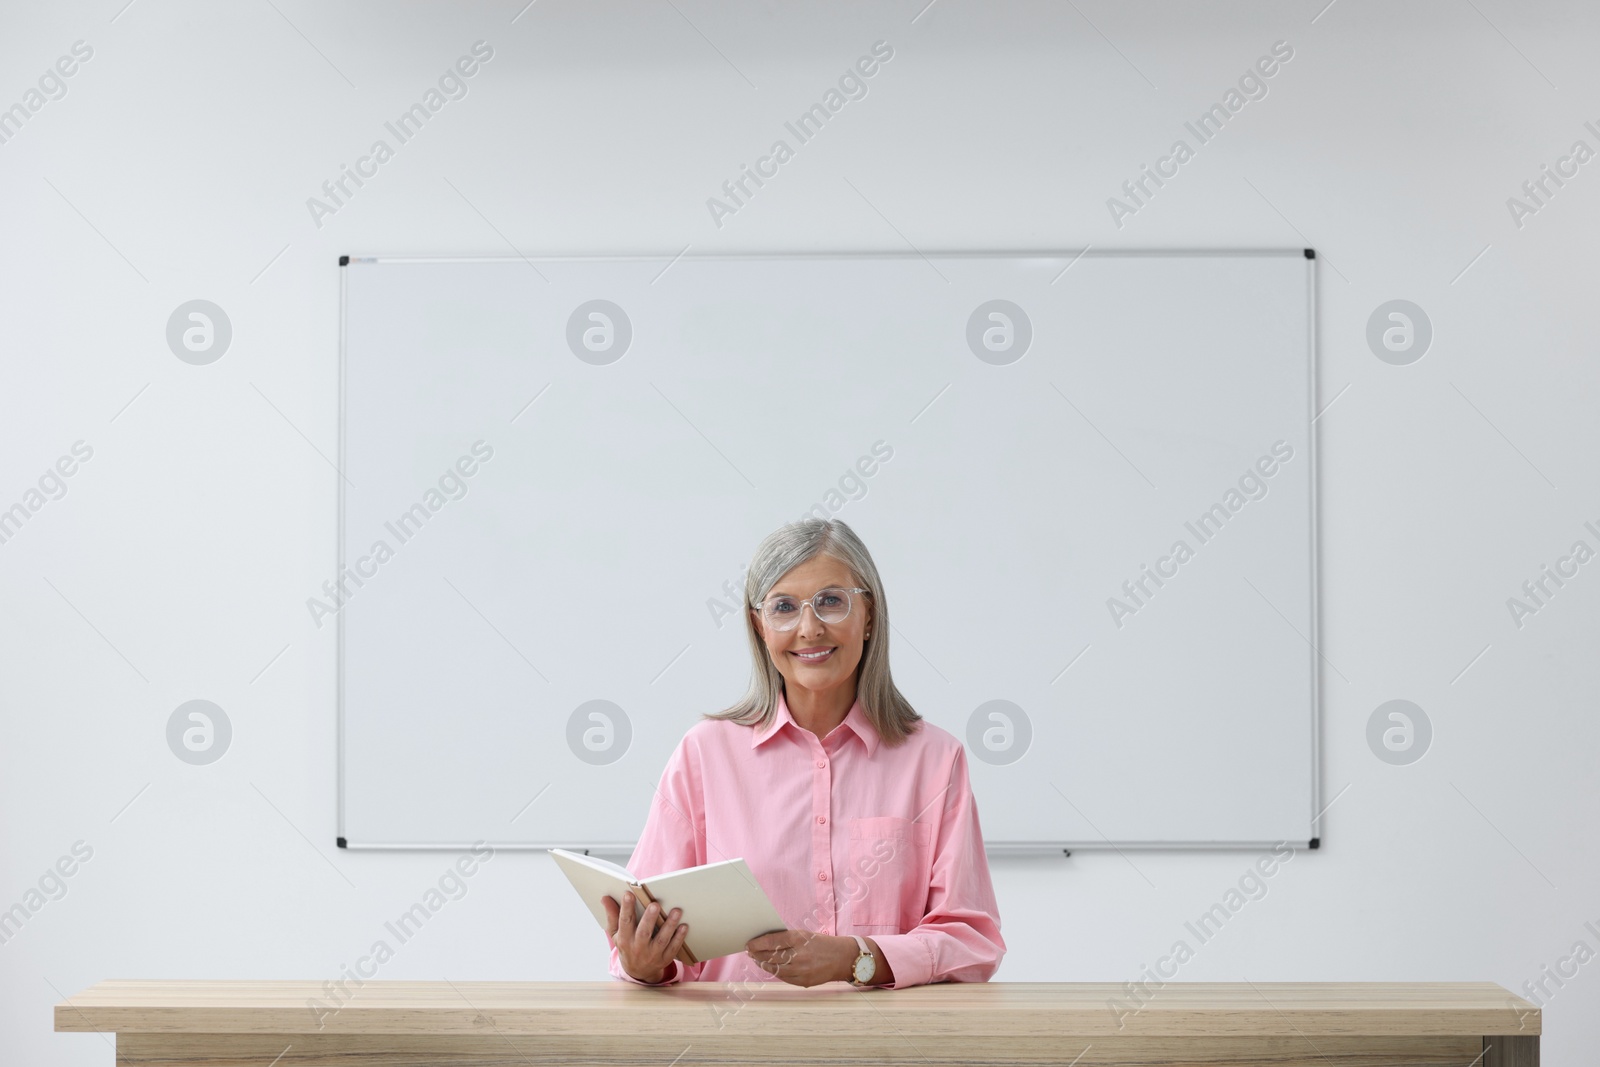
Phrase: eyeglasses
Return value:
(828, 605)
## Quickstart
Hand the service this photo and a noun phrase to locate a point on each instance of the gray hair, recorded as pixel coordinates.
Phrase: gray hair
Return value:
(783, 550)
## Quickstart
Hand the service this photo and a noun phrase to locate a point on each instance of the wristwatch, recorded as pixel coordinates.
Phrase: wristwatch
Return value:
(865, 966)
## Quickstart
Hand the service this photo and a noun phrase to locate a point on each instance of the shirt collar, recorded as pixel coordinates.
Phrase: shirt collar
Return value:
(856, 719)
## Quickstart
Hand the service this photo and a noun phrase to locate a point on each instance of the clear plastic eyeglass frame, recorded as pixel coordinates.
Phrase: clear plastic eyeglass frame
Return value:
(793, 619)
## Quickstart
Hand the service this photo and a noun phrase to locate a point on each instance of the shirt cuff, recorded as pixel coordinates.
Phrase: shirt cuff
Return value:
(674, 974)
(910, 958)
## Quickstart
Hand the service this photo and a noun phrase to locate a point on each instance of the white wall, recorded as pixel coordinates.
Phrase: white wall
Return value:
(177, 564)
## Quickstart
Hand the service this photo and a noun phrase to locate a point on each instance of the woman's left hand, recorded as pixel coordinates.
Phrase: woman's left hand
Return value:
(804, 957)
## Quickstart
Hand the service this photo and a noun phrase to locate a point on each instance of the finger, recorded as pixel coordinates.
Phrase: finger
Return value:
(770, 941)
(679, 936)
(777, 954)
(669, 927)
(625, 933)
(645, 929)
(626, 909)
(641, 929)
(613, 915)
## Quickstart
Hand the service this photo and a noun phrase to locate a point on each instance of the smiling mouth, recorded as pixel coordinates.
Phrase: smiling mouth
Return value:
(820, 657)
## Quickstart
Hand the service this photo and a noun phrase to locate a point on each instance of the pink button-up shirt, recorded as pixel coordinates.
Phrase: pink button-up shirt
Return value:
(845, 834)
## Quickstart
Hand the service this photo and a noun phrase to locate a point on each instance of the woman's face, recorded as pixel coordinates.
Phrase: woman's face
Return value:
(811, 634)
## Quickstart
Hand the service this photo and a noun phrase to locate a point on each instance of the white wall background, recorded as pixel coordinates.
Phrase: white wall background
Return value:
(177, 563)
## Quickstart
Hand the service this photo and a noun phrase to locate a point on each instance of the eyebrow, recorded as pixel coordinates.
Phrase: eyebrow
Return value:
(779, 592)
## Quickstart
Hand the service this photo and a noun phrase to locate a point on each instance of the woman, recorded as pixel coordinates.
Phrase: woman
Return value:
(853, 813)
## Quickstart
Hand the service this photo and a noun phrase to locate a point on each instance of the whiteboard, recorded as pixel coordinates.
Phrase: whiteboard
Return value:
(570, 461)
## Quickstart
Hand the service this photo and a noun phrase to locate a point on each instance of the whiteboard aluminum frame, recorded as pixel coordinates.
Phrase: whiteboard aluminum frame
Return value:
(1318, 809)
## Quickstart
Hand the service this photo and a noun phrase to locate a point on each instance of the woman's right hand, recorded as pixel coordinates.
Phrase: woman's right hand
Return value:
(646, 952)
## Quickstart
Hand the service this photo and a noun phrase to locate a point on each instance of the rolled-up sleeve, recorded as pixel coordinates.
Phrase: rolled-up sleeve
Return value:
(669, 842)
(958, 940)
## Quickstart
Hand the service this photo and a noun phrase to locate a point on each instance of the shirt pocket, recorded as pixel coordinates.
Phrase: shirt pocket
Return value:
(890, 863)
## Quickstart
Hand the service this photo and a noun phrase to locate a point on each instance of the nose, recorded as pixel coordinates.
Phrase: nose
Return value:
(815, 626)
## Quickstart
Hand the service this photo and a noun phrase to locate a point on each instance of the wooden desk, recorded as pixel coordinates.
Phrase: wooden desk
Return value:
(518, 1024)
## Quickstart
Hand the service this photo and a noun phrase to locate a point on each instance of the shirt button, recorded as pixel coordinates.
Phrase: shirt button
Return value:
(822, 818)
(822, 876)
(822, 763)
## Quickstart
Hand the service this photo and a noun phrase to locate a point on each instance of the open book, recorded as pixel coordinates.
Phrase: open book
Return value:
(722, 902)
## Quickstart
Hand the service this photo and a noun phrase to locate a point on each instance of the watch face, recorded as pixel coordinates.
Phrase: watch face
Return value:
(865, 965)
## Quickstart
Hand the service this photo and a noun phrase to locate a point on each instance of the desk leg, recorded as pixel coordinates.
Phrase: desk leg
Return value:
(1516, 1050)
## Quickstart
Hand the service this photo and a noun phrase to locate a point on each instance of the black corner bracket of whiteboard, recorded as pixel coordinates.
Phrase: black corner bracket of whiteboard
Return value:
(344, 261)
(1316, 842)
(1311, 253)
(345, 844)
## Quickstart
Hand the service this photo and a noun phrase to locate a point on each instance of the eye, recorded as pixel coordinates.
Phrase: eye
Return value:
(781, 607)
(832, 600)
